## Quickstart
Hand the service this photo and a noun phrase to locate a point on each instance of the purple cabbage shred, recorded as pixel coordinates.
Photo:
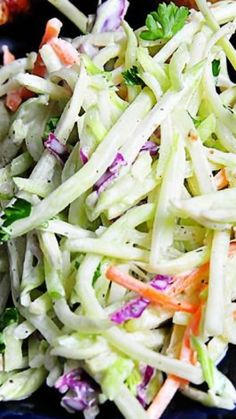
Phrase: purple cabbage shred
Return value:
(111, 173)
(132, 310)
(110, 15)
(80, 393)
(83, 156)
(147, 373)
(55, 147)
(161, 282)
(135, 308)
(151, 147)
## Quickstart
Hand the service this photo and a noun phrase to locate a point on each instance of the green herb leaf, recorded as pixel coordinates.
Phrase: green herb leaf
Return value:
(97, 274)
(165, 22)
(77, 265)
(132, 77)
(4, 235)
(51, 126)
(215, 68)
(20, 209)
(2, 344)
(9, 316)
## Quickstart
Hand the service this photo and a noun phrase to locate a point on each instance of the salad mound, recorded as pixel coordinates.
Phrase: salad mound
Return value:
(117, 223)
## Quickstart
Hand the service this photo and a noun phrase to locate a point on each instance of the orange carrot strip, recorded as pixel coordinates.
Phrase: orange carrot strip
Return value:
(173, 383)
(8, 57)
(221, 179)
(13, 100)
(39, 67)
(164, 397)
(4, 13)
(234, 315)
(26, 94)
(192, 329)
(183, 281)
(147, 291)
(232, 248)
(65, 51)
(52, 30)
(16, 97)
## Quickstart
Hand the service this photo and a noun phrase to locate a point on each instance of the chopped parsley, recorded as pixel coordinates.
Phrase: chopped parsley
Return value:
(132, 77)
(97, 274)
(165, 22)
(51, 126)
(9, 316)
(215, 68)
(20, 209)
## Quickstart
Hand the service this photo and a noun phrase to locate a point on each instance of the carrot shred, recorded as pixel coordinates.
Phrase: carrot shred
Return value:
(232, 248)
(164, 397)
(65, 51)
(13, 100)
(26, 94)
(221, 179)
(147, 291)
(52, 31)
(16, 97)
(195, 277)
(8, 57)
(182, 282)
(4, 13)
(173, 383)
(193, 327)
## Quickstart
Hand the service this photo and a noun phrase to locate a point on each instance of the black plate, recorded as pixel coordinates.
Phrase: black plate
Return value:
(23, 35)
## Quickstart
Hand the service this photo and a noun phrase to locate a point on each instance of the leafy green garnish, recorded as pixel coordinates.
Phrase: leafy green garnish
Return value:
(132, 78)
(20, 209)
(215, 68)
(97, 274)
(51, 126)
(9, 316)
(77, 265)
(4, 235)
(2, 344)
(165, 22)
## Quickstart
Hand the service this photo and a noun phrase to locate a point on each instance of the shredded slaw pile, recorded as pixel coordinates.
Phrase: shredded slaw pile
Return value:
(118, 194)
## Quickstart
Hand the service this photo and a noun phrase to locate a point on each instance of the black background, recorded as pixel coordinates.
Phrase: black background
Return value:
(24, 35)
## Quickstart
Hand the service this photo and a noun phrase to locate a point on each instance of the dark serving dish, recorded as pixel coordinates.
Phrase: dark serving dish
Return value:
(23, 35)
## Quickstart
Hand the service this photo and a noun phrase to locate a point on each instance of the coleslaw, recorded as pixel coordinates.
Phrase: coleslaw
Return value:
(117, 224)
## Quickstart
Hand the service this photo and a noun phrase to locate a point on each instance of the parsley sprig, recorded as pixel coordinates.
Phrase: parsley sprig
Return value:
(165, 22)
(51, 126)
(215, 68)
(9, 316)
(132, 77)
(97, 274)
(20, 209)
